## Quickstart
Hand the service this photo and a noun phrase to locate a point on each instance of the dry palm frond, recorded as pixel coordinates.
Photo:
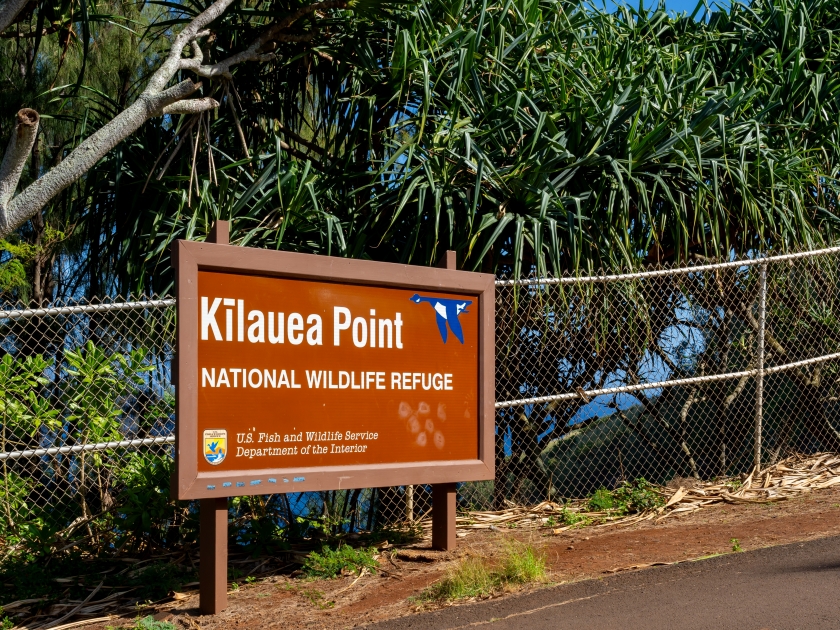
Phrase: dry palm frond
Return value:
(791, 477)
(788, 478)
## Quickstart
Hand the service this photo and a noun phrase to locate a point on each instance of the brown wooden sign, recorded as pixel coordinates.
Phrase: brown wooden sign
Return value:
(298, 373)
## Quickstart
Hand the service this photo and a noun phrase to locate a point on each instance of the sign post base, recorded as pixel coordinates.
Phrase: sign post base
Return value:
(443, 516)
(213, 543)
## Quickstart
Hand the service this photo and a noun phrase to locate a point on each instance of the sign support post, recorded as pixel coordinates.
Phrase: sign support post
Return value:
(444, 500)
(444, 497)
(213, 544)
(213, 516)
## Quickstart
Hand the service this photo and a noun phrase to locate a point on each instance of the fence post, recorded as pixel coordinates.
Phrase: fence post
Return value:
(409, 504)
(444, 497)
(759, 377)
(213, 516)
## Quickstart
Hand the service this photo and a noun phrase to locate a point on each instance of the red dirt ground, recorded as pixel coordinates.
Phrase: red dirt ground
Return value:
(285, 602)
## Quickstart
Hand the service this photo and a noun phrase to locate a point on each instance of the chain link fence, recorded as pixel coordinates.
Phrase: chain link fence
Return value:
(697, 372)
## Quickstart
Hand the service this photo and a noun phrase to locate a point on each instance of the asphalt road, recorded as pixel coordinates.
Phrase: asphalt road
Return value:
(790, 587)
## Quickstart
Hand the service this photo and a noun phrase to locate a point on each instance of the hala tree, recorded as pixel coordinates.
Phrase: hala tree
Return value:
(533, 135)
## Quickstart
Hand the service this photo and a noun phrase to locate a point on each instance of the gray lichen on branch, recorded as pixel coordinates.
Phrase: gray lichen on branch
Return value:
(191, 106)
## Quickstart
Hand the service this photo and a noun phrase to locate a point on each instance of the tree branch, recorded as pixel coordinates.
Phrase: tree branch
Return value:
(256, 51)
(273, 31)
(155, 100)
(32, 34)
(89, 152)
(192, 31)
(152, 102)
(222, 69)
(9, 10)
(193, 106)
(18, 150)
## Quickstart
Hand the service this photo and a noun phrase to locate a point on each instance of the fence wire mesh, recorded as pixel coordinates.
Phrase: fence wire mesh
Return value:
(702, 372)
(695, 372)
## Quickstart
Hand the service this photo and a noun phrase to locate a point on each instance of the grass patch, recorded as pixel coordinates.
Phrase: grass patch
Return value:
(147, 623)
(314, 597)
(471, 578)
(736, 545)
(522, 565)
(329, 562)
(474, 577)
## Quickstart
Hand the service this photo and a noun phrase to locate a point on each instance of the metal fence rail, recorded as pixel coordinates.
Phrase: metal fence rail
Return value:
(701, 371)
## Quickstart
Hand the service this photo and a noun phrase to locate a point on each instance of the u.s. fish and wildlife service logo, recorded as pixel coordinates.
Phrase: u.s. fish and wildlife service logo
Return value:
(447, 312)
(215, 446)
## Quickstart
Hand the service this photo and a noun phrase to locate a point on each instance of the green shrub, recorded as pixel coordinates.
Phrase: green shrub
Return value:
(149, 623)
(263, 536)
(5, 622)
(637, 496)
(326, 525)
(329, 562)
(147, 508)
(91, 385)
(601, 500)
(573, 518)
(628, 498)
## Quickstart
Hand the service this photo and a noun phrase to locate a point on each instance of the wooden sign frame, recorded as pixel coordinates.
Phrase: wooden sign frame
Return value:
(190, 257)
(216, 255)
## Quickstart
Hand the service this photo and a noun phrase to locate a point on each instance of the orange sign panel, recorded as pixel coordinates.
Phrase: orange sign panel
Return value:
(301, 373)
